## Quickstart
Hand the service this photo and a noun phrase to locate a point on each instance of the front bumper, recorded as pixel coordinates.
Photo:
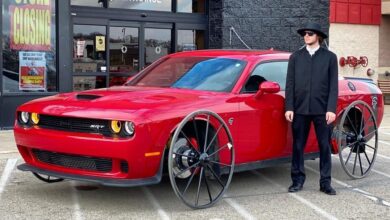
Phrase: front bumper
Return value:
(77, 146)
(103, 181)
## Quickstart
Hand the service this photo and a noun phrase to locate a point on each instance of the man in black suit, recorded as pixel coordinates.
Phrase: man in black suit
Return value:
(311, 96)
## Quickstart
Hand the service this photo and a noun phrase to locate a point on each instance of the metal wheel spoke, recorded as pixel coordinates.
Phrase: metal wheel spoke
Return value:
(216, 176)
(206, 134)
(199, 184)
(208, 188)
(224, 146)
(190, 181)
(350, 153)
(212, 140)
(219, 163)
(188, 168)
(349, 145)
(368, 160)
(354, 164)
(365, 123)
(352, 125)
(370, 147)
(360, 162)
(374, 131)
(196, 130)
(189, 141)
(361, 122)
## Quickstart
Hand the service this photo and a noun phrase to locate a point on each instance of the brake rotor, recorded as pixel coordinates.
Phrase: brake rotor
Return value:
(181, 162)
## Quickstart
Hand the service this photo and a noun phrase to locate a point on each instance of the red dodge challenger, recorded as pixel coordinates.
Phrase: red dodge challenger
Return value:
(196, 116)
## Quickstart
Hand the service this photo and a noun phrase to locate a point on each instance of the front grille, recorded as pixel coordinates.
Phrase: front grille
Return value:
(74, 124)
(74, 161)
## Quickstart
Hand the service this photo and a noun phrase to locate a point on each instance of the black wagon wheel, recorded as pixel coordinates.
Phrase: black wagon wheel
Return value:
(357, 139)
(201, 159)
(47, 178)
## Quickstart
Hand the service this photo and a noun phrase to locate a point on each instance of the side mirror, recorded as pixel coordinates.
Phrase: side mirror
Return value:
(267, 87)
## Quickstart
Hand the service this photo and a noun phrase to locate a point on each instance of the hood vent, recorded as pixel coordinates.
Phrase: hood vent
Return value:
(87, 97)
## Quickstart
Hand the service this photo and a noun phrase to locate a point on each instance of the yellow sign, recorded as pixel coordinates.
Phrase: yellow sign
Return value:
(30, 25)
(100, 43)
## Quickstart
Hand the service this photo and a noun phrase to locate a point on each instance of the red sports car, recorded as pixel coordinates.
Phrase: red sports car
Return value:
(198, 116)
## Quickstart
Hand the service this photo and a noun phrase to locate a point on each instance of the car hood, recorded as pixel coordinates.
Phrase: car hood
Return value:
(124, 102)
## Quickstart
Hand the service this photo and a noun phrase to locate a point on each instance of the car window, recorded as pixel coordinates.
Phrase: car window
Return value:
(198, 73)
(272, 71)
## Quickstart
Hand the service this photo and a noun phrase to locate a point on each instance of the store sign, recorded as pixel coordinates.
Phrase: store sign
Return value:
(30, 27)
(32, 70)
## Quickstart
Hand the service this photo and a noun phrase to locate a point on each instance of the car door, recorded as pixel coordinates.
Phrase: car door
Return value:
(263, 130)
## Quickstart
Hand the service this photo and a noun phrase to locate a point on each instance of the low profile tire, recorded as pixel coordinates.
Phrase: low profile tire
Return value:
(358, 139)
(47, 179)
(200, 167)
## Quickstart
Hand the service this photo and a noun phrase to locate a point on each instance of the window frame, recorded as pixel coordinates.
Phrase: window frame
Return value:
(242, 90)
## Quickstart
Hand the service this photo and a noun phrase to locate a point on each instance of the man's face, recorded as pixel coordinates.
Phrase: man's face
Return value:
(310, 37)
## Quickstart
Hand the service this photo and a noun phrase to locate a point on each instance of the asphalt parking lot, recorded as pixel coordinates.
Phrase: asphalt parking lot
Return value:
(260, 194)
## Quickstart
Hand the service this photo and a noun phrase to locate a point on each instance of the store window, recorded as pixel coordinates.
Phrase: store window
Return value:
(81, 83)
(157, 44)
(154, 5)
(90, 3)
(124, 54)
(190, 40)
(89, 48)
(191, 6)
(29, 46)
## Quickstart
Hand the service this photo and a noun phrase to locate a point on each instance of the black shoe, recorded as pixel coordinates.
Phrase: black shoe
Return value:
(328, 190)
(295, 187)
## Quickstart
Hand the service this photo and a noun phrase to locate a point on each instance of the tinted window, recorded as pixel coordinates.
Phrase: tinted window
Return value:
(198, 73)
(273, 71)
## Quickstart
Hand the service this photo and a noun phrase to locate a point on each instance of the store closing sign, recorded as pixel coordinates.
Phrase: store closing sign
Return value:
(30, 27)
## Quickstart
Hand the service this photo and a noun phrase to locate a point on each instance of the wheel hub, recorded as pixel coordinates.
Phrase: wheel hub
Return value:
(203, 159)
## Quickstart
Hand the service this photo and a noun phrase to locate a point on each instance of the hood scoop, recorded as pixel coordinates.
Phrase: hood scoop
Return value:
(87, 97)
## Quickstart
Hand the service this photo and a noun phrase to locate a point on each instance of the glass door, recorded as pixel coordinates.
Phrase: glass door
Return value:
(124, 50)
(157, 41)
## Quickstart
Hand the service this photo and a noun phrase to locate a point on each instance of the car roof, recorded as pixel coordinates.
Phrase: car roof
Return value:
(228, 53)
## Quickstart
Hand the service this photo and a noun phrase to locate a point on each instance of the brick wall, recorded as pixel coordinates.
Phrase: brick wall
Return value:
(384, 41)
(264, 24)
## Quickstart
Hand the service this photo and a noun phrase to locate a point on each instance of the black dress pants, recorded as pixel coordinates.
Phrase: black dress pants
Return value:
(300, 128)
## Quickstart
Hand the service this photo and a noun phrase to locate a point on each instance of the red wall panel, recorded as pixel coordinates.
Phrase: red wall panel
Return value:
(355, 11)
(354, 14)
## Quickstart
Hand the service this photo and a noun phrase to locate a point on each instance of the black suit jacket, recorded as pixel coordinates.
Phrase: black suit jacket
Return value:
(312, 82)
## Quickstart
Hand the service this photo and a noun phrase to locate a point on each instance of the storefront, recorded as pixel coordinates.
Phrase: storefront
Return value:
(52, 46)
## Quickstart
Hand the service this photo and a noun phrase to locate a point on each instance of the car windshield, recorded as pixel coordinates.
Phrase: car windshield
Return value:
(198, 73)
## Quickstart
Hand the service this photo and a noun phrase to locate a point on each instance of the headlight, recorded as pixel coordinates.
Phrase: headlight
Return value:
(35, 118)
(116, 126)
(129, 127)
(24, 117)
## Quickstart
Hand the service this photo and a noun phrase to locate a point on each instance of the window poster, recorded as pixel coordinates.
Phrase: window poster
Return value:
(32, 70)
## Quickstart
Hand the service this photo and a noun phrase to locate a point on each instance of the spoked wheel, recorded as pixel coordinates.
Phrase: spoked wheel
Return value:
(47, 179)
(358, 139)
(201, 159)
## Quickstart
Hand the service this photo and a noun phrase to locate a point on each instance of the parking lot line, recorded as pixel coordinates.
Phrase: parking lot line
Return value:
(299, 198)
(372, 169)
(241, 210)
(156, 205)
(355, 189)
(11, 163)
(76, 205)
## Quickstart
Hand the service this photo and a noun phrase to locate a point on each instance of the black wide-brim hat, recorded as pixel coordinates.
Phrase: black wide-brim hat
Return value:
(316, 28)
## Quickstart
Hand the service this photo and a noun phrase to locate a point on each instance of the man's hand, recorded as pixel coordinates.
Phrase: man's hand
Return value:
(289, 116)
(330, 117)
